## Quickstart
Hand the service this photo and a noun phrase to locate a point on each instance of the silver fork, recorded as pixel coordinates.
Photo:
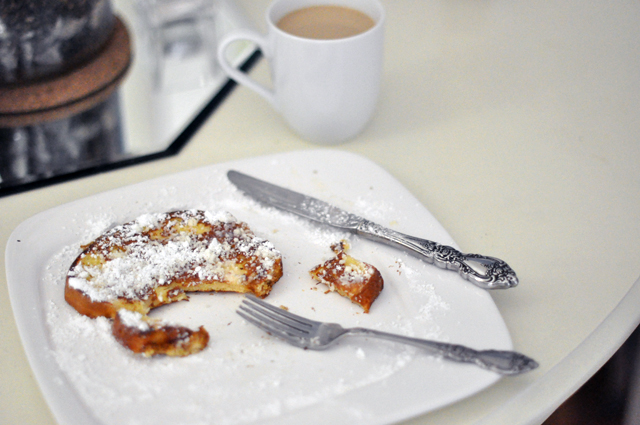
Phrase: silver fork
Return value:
(309, 334)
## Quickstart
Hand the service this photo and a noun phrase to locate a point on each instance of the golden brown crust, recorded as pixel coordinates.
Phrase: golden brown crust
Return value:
(84, 305)
(358, 281)
(158, 338)
(240, 269)
(156, 259)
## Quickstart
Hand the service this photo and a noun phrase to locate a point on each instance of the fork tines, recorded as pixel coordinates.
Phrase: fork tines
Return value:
(274, 320)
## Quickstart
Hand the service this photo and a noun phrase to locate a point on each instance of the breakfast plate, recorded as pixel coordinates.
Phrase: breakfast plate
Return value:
(246, 376)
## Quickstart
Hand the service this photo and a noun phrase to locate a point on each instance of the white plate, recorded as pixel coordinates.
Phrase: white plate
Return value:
(245, 375)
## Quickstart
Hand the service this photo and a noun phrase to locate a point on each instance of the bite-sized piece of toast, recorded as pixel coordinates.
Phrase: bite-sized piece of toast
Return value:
(351, 278)
(150, 337)
(157, 258)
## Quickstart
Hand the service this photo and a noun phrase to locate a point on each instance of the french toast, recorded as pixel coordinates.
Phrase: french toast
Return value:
(157, 258)
(356, 280)
(150, 337)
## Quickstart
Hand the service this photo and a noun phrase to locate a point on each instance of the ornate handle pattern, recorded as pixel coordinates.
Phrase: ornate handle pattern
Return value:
(483, 271)
(503, 362)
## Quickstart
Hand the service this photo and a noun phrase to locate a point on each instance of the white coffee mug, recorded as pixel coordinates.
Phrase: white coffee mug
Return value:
(326, 89)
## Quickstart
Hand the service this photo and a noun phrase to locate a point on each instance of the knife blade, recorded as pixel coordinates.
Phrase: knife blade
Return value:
(483, 271)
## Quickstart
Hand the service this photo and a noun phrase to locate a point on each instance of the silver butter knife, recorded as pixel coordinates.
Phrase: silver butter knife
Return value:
(483, 271)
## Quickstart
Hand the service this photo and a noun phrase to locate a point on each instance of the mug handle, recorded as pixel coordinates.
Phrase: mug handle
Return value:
(237, 75)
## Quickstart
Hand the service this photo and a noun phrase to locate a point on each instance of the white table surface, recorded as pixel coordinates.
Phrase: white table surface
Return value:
(517, 125)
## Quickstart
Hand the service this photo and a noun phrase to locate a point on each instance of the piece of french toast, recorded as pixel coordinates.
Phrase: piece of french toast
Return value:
(142, 334)
(157, 258)
(356, 280)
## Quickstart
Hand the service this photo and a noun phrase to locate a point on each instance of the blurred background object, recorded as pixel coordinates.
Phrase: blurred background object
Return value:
(182, 39)
(50, 148)
(60, 66)
(41, 38)
(152, 63)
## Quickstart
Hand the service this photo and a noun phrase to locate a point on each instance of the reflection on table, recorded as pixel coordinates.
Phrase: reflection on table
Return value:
(165, 89)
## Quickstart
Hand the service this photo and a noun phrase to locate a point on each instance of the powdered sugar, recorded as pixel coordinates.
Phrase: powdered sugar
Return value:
(134, 320)
(132, 261)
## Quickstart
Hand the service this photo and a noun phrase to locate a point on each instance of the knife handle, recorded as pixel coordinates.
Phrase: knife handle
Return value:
(483, 271)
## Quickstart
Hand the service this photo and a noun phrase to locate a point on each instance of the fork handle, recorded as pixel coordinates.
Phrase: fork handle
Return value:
(503, 362)
(481, 270)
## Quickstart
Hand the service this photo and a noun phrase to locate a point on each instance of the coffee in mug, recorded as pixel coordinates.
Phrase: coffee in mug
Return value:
(325, 58)
(326, 22)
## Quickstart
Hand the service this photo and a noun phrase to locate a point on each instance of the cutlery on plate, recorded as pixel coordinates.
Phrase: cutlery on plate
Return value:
(483, 271)
(310, 334)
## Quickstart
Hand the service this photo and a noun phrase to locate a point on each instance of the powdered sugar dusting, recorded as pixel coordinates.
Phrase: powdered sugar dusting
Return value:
(133, 262)
(134, 320)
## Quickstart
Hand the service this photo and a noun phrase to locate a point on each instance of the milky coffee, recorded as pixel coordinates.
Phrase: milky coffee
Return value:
(325, 22)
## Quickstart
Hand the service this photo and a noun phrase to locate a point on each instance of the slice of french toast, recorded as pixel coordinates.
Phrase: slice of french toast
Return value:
(157, 258)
